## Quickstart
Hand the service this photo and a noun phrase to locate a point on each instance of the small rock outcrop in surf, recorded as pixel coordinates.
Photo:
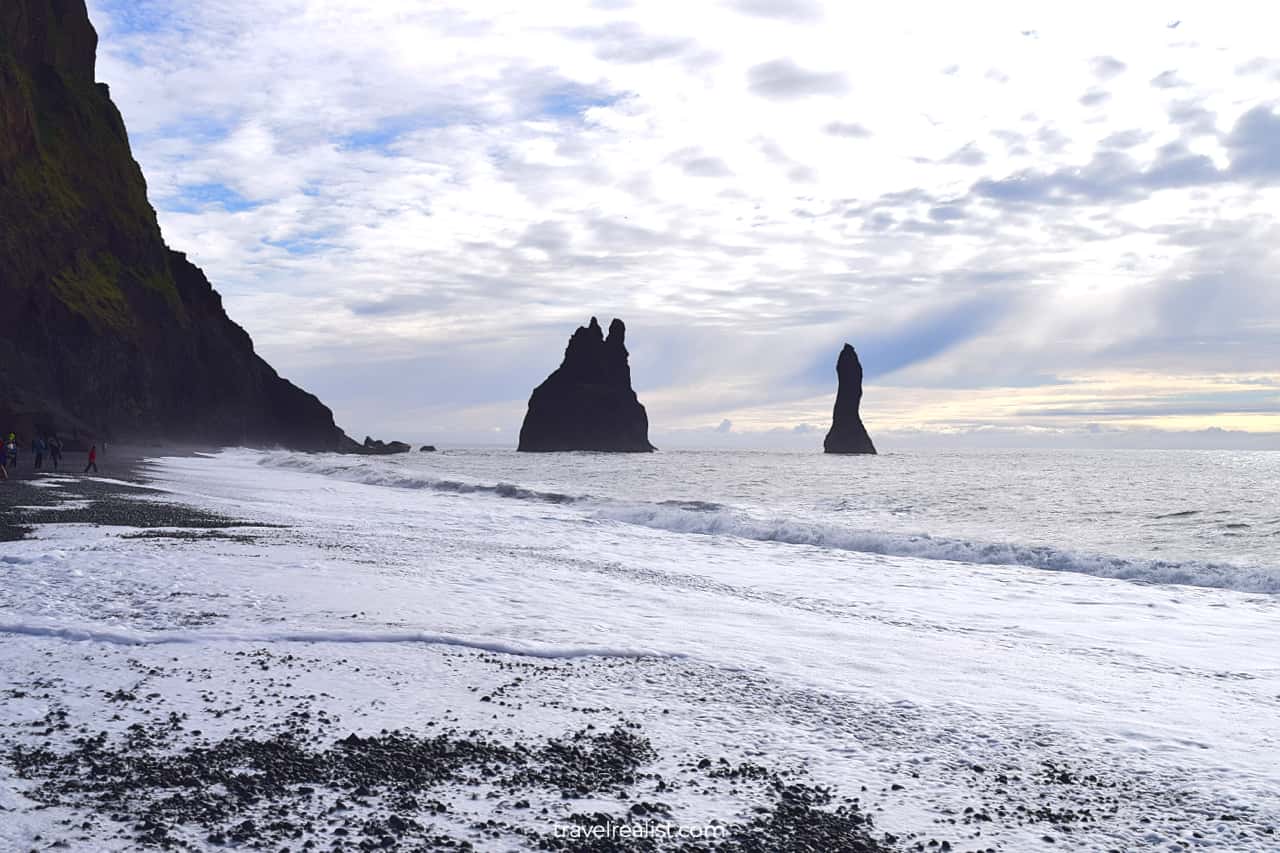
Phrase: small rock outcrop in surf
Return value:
(588, 402)
(377, 447)
(847, 434)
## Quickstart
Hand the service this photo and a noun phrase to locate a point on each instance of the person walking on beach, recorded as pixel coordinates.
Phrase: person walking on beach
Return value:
(11, 452)
(93, 459)
(55, 451)
(38, 449)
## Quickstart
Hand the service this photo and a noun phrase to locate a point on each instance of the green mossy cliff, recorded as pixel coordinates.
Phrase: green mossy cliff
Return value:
(103, 328)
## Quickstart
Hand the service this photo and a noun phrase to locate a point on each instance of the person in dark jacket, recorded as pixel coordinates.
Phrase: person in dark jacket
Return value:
(55, 451)
(93, 459)
(38, 449)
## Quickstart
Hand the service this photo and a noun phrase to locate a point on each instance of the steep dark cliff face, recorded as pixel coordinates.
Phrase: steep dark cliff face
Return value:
(102, 326)
(588, 403)
(847, 434)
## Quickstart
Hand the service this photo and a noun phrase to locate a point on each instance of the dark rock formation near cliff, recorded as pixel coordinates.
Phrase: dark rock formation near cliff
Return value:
(377, 447)
(588, 403)
(847, 434)
(103, 328)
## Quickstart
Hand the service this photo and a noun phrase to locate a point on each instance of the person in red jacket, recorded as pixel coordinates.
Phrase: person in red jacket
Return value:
(93, 459)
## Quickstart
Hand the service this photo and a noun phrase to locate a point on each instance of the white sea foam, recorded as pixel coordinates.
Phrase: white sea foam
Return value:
(497, 646)
(372, 473)
(714, 519)
(781, 579)
(926, 547)
(31, 559)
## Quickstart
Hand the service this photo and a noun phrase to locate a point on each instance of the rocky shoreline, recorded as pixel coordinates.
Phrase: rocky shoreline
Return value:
(298, 787)
(118, 498)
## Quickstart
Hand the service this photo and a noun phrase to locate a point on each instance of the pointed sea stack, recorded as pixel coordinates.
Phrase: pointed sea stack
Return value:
(588, 403)
(847, 434)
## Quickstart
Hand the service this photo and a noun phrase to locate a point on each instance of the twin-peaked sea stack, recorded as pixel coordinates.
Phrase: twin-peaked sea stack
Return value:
(847, 434)
(588, 402)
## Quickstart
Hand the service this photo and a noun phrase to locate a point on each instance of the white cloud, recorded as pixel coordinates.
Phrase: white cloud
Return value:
(410, 206)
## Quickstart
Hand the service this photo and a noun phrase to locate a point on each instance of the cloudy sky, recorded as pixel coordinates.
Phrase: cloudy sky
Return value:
(1041, 223)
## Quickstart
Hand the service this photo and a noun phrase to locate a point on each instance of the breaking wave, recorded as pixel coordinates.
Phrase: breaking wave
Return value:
(926, 547)
(714, 519)
(374, 474)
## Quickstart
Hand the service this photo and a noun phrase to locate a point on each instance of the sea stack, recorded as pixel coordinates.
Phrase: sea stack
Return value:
(588, 402)
(847, 434)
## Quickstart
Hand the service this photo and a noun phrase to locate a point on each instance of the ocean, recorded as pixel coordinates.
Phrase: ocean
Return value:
(1081, 646)
(1203, 518)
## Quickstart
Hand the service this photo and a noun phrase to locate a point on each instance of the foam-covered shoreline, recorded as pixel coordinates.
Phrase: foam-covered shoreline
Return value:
(715, 519)
(925, 547)
(543, 651)
(162, 754)
(240, 627)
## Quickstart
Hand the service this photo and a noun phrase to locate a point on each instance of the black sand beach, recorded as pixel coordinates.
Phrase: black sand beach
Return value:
(26, 498)
(302, 746)
(290, 775)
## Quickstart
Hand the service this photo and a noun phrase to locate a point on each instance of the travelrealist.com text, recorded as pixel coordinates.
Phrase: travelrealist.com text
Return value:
(625, 831)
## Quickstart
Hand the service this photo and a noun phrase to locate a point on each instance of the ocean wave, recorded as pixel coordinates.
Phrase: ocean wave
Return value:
(497, 646)
(375, 474)
(714, 519)
(927, 547)
(694, 506)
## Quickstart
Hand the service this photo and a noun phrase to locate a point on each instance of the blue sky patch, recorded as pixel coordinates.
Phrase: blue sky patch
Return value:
(885, 352)
(383, 135)
(136, 17)
(304, 244)
(197, 197)
(573, 101)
